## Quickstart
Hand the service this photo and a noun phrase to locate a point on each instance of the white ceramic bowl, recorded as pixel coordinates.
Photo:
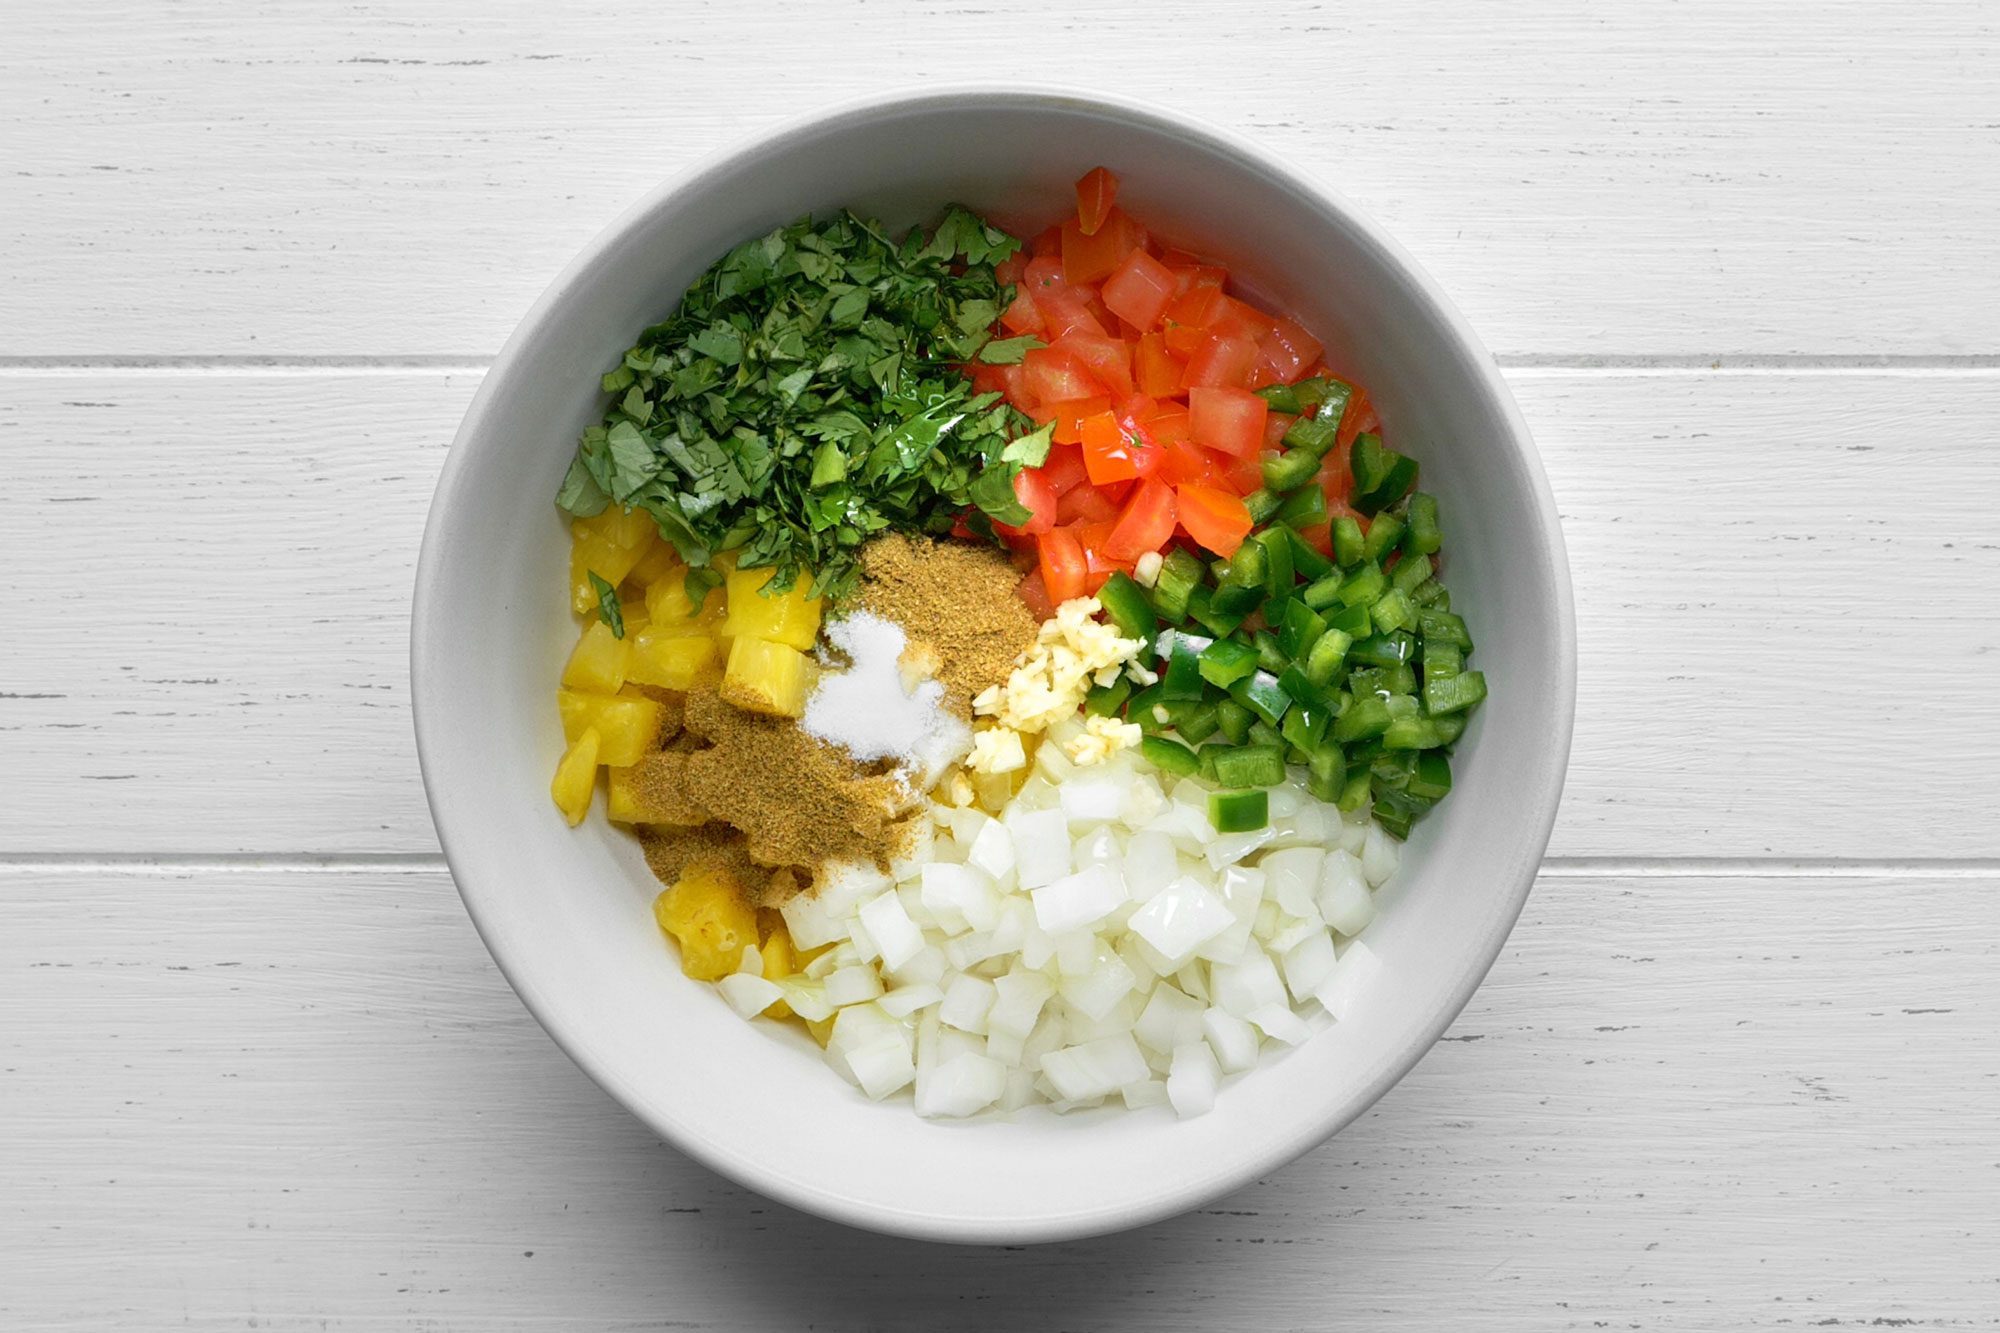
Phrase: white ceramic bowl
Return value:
(566, 912)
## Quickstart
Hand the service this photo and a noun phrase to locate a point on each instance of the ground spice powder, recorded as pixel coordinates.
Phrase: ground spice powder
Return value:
(956, 599)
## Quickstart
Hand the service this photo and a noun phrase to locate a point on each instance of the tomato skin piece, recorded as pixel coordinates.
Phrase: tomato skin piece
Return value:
(1223, 363)
(1062, 566)
(1145, 524)
(1156, 372)
(1140, 290)
(1054, 376)
(1095, 257)
(1094, 192)
(1215, 520)
(1107, 360)
(1033, 488)
(1022, 315)
(1035, 593)
(1231, 420)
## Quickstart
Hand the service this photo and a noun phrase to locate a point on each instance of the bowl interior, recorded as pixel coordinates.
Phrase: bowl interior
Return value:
(567, 912)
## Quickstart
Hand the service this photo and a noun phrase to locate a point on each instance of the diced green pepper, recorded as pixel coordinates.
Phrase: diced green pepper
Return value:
(1326, 656)
(1454, 694)
(1410, 733)
(1424, 536)
(1245, 568)
(1305, 726)
(1182, 678)
(1323, 592)
(1299, 630)
(1233, 720)
(1169, 756)
(1442, 659)
(1180, 575)
(1250, 766)
(1431, 593)
(1282, 398)
(1107, 700)
(1382, 535)
(1354, 794)
(1239, 811)
(1306, 561)
(1348, 541)
(1125, 602)
(1411, 573)
(1352, 621)
(1278, 573)
(1270, 656)
(1365, 587)
(1392, 612)
(1263, 733)
(1263, 504)
(1333, 399)
(1286, 472)
(1432, 780)
(1237, 599)
(1365, 716)
(1202, 611)
(1196, 722)
(1293, 681)
(1303, 507)
(1384, 649)
(1381, 476)
(1227, 661)
(1145, 706)
(1443, 626)
(1313, 435)
(1449, 727)
(1326, 771)
(1261, 695)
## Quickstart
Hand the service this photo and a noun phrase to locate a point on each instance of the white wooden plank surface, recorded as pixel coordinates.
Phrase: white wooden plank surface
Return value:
(1761, 560)
(308, 1101)
(1718, 178)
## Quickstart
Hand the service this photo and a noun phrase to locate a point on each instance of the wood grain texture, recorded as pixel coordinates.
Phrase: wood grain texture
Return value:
(308, 1101)
(1712, 179)
(1752, 553)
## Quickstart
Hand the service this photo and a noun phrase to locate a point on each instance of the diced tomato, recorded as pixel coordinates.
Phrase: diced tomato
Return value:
(1069, 414)
(987, 379)
(1117, 448)
(1359, 418)
(1288, 349)
(1099, 311)
(1047, 244)
(1319, 536)
(1035, 593)
(1214, 519)
(1061, 564)
(1014, 383)
(1044, 273)
(1238, 320)
(1085, 504)
(1108, 360)
(1184, 461)
(1197, 308)
(1022, 315)
(1242, 475)
(1033, 489)
(1334, 477)
(1140, 290)
(1231, 420)
(1055, 376)
(1008, 271)
(1094, 257)
(1223, 362)
(1275, 426)
(1066, 310)
(1155, 370)
(1146, 522)
(1094, 194)
(1183, 341)
(1064, 468)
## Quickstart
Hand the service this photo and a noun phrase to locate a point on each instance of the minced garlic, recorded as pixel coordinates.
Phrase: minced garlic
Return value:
(997, 750)
(1073, 650)
(1102, 737)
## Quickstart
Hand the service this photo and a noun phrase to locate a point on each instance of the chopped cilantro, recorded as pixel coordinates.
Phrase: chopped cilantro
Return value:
(807, 395)
(608, 609)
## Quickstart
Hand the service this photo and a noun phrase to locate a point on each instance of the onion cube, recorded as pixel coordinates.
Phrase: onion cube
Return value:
(853, 985)
(881, 1066)
(1138, 1096)
(1076, 901)
(889, 927)
(1150, 863)
(1232, 1039)
(1091, 798)
(1041, 846)
(1192, 1080)
(1095, 1068)
(1247, 985)
(961, 893)
(1279, 1021)
(1180, 918)
(967, 1001)
(992, 850)
(1344, 900)
(907, 1000)
(1171, 1018)
(1352, 975)
(748, 995)
(1378, 856)
(1017, 1003)
(1307, 964)
(1096, 990)
(962, 1085)
(1292, 876)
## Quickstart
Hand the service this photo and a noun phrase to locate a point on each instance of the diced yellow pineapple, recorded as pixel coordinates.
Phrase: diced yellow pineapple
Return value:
(669, 609)
(625, 725)
(656, 564)
(669, 659)
(766, 677)
(599, 661)
(610, 545)
(626, 529)
(576, 777)
(778, 960)
(655, 791)
(706, 914)
(634, 613)
(790, 618)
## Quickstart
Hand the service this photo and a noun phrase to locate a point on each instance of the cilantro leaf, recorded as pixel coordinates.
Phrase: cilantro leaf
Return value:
(1009, 351)
(608, 609)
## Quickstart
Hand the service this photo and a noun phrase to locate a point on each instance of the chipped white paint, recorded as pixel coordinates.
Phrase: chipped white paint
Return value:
(251, 261)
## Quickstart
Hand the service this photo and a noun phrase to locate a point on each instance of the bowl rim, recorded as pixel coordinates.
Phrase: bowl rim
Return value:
(571, 1037)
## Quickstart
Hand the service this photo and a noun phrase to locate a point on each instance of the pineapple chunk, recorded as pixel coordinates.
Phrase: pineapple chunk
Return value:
(705, 913)
(668, 607)
(655, 791)
(668, 658)
(790, 618)
(766, 677)
(656, 564)
(599, 661)
(576, 777)
(609, 545)
(626, 726)
(778, 960)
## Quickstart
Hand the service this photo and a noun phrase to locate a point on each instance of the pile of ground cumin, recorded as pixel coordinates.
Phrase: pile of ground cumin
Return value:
(757, 797)
(955, 599)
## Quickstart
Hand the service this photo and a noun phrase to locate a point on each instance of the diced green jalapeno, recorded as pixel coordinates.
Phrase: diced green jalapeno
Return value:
(1261, 695)
(1239, 811)
(1307, 562)
(1348, 541)
(1392, 612)
(1125, 602)
(1303, 507)
(1282, 398)
(1286, 472)
(1263, 504)
(1107, 700)
(1250, 766)
(1227, 661)
(1169, 756)
(1233, 721)
(1313, 435)
(1454, 694)
(1424, 537)
(1383, 533)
